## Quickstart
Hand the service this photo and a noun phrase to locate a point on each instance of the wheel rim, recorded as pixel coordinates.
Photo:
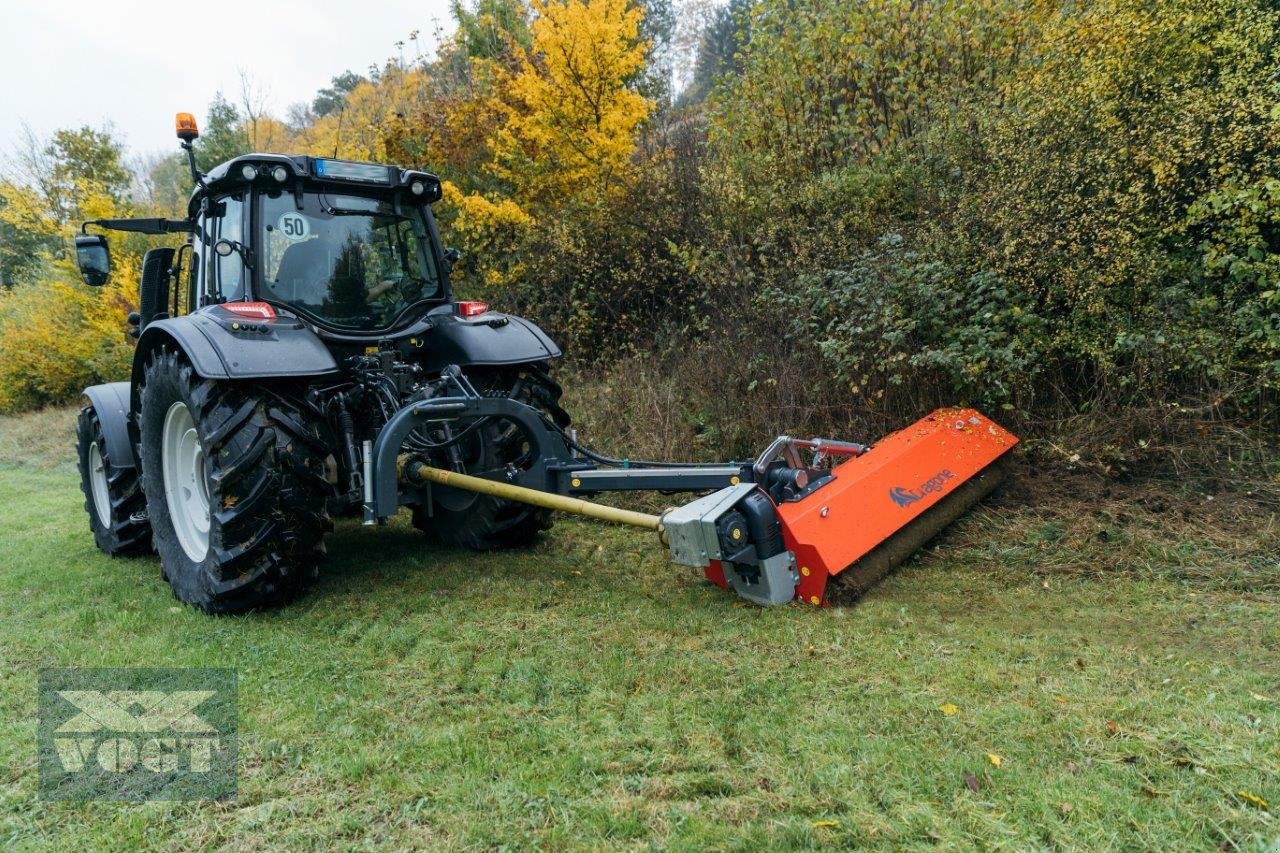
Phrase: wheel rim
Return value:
(98, 486)
(186, 489)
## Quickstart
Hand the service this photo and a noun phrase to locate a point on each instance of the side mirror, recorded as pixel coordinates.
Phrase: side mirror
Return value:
(93, 258)
(452, 256)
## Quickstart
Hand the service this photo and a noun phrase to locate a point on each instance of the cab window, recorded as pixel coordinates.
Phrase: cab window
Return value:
(351, 262)
(229, 270)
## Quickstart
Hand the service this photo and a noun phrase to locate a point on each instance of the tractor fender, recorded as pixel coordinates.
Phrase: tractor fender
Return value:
(111, 404)
(491, 338)
(216, 350)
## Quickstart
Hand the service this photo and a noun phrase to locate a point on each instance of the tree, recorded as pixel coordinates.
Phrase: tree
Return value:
(27, 238)
(71, 163)
(223, 137)
(658, 31)
(333, 97)
(571, 119)
(491, 28)
(167, 183)
(722, 37)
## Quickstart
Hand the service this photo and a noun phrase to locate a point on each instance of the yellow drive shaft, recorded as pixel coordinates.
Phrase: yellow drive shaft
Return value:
(547, 500)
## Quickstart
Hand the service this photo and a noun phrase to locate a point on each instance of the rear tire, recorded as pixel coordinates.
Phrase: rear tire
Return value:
(112, 493)
(242, 467)
(482, 522)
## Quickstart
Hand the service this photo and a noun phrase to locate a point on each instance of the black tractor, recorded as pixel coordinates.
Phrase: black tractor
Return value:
(309, 303)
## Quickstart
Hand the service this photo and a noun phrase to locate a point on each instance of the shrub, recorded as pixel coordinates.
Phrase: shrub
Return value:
(898, 323)
(56, 338)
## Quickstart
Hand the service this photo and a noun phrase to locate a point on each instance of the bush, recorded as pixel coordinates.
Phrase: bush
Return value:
(1083, 198)
(56, 338)
(900, 325)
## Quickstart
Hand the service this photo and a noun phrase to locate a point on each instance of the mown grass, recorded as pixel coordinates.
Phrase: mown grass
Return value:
(586, 693)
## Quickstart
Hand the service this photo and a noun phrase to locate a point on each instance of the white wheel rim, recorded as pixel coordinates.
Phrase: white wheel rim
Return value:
(186, 489)
(98, 486)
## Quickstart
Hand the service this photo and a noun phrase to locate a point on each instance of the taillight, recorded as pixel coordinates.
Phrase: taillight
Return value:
(472, 309)
(255, 310)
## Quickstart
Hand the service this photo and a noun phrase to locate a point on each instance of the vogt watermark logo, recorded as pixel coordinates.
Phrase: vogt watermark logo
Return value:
(137, 734)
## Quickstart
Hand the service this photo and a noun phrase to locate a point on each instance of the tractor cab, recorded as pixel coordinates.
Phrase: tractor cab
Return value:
(349, 247)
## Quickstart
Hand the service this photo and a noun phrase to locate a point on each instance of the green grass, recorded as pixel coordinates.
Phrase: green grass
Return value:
(1124, 663)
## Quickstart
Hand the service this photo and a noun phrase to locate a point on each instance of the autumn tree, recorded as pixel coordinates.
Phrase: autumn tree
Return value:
(334, 96)
(571, 118)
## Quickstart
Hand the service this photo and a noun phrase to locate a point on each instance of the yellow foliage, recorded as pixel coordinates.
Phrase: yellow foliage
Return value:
(374, 115)
(486, 225)
(57, 337)
(268, 134)
(477, 214)
(570, 118)
(25, 210)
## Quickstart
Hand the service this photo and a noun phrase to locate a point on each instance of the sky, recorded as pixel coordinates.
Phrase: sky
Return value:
(134, 63)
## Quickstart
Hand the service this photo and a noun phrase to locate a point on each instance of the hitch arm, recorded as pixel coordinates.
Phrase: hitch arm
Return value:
(547, 445)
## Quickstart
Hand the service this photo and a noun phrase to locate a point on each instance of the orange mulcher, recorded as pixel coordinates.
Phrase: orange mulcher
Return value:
(876, 508)
(818, 521)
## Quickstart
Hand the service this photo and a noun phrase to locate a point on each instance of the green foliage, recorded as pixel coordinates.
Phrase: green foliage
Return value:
(168, 186)
(223, 135)
(1088, 194)
(79, 157)
(918, 323)
(488, 28)
(334, 96)
(657, 30)
(607, 277)
(1083, 200)
(724, 35)
(1124, 181)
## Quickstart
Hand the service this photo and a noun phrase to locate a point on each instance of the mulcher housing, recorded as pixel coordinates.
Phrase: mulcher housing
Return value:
(302, 356)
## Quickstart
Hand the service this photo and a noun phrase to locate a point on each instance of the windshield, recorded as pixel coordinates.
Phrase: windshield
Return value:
(349, 261)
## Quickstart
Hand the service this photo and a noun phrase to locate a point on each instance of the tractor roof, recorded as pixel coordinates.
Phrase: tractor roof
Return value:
(289, 169)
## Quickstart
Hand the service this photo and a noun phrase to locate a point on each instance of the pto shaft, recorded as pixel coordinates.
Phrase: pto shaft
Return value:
(507, 491)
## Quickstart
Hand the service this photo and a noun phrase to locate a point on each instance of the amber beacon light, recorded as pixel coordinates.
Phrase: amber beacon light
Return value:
(185, 123)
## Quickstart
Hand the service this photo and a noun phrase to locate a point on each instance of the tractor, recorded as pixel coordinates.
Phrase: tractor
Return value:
(301, 356)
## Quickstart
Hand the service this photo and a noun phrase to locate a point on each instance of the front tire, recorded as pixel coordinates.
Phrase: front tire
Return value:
(234, 479)
(112, 494)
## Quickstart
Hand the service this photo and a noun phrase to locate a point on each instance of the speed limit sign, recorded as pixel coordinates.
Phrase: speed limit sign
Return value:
(294, 226)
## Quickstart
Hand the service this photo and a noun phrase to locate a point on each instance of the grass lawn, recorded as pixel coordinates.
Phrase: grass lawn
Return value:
(1113, 662)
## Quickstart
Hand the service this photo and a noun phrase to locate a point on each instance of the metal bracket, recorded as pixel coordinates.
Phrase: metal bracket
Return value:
(691, 529)
(789, 449)
(775, 585)
(547, 445)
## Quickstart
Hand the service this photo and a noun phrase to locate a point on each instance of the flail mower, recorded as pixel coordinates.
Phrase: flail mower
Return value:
(301, 356)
